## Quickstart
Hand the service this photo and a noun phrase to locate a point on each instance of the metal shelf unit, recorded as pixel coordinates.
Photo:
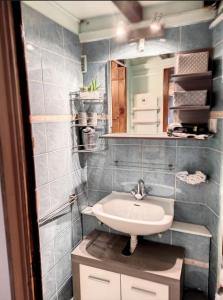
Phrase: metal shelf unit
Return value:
(79, 104)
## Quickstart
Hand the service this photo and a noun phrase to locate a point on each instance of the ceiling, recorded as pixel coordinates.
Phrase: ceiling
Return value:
(90, 9)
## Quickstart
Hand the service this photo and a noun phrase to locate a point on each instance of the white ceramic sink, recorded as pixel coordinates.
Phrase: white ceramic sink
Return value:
(122, 212)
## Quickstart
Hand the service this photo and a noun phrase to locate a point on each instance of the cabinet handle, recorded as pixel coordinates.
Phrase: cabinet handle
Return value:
(143, 291)
(99, 279)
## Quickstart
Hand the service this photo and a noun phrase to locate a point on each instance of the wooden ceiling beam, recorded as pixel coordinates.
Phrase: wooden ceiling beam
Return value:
(132, 10)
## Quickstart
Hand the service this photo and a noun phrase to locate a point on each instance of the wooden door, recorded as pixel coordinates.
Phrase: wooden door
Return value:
(119, 105)
(16, 160)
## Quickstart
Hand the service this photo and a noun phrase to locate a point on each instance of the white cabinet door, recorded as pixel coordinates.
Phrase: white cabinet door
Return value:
(99, 284)
(138, 289)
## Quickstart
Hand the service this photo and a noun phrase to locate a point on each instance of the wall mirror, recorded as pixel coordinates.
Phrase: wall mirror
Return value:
(141, 94)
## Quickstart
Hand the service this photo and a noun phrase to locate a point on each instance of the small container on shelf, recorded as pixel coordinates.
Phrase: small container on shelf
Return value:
(190, 98)
(189, 63)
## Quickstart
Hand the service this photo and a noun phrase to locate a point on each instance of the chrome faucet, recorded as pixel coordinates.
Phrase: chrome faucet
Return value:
(139, 192)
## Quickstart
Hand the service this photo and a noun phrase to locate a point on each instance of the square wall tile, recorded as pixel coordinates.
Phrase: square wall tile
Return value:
(31, 21)
(75, 211)
(192, 159)
(63, 243)
(49, 284)
(191, 213)
(164, 237)
(196, 247)
(58, 135)
(53, 68)
(160, 184)
(79, 178)
(41, 169)
(72, 76)
(96, 71)
(125, 180)
(90, 223)
(72, 46)
(51, 35)
(66, 291)
(161, 159)
(196, 278)
(214, 165)
(63, 270)
(43, 200)
(216, 142)
(218, 34)
(202, 193)
(36, 98)
(99, 179)
(57, 101)
(192, 37)
(47, 257)
(126, 156)
(60, 191)
(95, 196)
(76, 232)
(58, 164)
(33, 60)
(158, 143)
(100, 160)
(39, 138)
(96, 51)
(214, 226)
(217, 94)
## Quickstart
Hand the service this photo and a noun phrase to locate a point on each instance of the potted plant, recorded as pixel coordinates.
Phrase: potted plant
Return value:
(91, 91)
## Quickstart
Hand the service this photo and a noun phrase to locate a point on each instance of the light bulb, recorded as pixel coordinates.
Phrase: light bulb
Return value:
(121, 30)
(155, 26)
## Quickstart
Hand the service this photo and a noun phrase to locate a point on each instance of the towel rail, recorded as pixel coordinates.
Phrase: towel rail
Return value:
(151, 165)
(57, 210)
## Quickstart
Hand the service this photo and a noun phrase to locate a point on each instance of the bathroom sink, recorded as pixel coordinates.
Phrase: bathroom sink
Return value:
(122, 212)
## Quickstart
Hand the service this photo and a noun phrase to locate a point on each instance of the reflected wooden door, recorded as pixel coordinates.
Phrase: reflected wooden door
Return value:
(119, 106)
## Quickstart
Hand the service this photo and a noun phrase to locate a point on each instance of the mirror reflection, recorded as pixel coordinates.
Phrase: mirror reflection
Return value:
(141, 93)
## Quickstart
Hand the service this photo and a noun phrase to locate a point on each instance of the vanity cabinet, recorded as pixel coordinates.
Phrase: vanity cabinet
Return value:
(135, 288)
(97, 284)
(101, 272)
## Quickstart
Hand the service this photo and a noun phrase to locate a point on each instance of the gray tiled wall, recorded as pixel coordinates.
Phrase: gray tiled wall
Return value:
(53, 62)
(216, 146)
(149, 159)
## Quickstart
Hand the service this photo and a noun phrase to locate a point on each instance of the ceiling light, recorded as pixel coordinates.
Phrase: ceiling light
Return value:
(121, 30)
(156, 25)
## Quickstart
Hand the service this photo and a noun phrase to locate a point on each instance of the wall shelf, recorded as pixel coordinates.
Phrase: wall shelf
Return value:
(87, 142)
(163, 136)
(204, 107)
(192, 76)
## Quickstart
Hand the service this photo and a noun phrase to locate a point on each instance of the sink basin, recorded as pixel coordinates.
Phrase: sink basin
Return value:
(122, 212)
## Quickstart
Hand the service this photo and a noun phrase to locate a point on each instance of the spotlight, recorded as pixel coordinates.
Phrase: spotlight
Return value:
(156, 25)
(121, 30)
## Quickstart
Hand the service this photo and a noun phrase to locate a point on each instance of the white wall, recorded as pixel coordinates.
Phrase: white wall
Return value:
(5, 293)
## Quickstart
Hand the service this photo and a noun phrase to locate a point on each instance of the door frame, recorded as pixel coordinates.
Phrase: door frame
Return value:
(16, 160)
